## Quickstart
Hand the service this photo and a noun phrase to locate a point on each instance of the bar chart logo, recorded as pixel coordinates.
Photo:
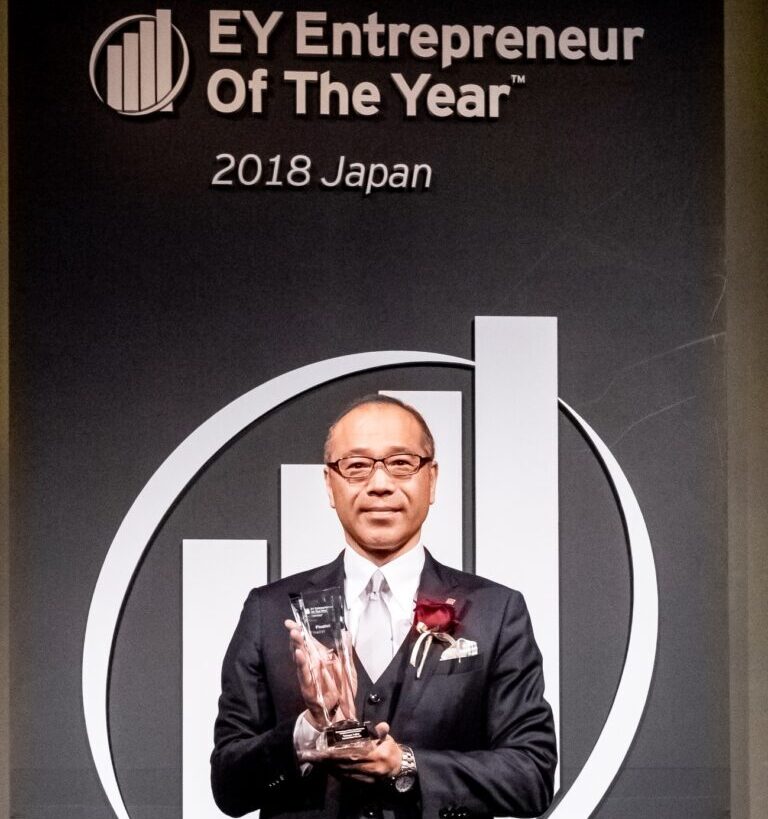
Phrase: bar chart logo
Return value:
(140, 66)
(515, 417)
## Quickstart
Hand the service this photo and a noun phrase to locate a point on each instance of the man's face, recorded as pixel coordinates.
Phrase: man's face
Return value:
(382, 515)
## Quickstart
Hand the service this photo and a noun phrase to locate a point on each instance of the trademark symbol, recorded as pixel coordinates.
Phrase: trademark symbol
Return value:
(518, 79)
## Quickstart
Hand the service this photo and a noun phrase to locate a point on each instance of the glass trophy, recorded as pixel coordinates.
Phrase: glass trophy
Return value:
(328, 647)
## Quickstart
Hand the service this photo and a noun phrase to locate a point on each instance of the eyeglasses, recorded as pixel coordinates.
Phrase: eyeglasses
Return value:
(359, 467)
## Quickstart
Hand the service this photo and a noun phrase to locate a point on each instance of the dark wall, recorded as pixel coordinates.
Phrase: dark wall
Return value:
(143, 300)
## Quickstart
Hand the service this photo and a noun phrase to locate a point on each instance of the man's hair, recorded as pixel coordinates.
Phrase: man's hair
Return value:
(427, 440)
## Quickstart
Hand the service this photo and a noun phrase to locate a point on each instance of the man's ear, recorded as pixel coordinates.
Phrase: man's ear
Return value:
(328, 487)
(432, 480)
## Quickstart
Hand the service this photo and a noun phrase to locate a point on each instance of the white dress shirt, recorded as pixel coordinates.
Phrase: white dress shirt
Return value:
(402, 575)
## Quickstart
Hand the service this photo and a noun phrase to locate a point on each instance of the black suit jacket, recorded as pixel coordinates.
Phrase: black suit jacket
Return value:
(481, 731)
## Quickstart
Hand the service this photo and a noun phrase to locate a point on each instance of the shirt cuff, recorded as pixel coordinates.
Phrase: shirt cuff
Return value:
(305, 737)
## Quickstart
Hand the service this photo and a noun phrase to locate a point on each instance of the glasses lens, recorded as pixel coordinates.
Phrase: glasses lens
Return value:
(402, 465)
(355, 467)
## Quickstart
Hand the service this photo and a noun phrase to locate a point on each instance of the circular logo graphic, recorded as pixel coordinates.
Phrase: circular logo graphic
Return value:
(134, 61)
(190, 457)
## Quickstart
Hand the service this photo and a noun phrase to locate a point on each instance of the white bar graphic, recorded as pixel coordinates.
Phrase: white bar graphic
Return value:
(164, 56)
(516, 478)
(310, 533)
(115, 77)
(217, 576)
(147, 89)
(130, 71)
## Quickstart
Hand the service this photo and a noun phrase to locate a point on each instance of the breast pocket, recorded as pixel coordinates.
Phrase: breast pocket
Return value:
(462, 666)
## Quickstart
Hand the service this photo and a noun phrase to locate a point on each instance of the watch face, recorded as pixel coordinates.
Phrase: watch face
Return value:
(405, 782)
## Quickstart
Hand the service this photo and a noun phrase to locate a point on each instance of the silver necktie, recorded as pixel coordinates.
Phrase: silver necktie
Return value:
(374, 631)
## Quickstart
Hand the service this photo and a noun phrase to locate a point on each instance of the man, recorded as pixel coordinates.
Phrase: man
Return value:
(461, 723)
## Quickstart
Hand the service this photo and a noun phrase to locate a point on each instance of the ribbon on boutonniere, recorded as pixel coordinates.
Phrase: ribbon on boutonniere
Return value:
(434, 620)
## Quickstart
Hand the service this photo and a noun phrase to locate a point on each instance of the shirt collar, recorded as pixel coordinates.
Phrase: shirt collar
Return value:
(402, 574)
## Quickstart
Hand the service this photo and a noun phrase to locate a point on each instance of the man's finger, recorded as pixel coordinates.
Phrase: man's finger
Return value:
(359, 766)
(330, 691)
(382, 731)
(302, 663)
(369, 780)
(294, 632)
(365, 765)
(305, 675)
(300, 656)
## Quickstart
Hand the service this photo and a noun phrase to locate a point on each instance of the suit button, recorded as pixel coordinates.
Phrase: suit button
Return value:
(374, 698)
(443, 813)
(370, 813)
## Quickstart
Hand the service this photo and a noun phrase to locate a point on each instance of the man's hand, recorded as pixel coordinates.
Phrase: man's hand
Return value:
(383, 759)
(319, 708)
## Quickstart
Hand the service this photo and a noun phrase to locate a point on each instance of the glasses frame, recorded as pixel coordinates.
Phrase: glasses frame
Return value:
(423, 459)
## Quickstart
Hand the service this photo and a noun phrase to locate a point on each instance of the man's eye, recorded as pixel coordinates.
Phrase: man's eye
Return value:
(403, 460)
(356, 465)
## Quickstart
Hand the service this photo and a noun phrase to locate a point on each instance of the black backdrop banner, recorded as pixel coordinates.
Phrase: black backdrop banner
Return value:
(203, 199)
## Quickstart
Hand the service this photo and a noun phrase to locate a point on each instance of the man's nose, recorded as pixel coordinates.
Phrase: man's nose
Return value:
(380, 480)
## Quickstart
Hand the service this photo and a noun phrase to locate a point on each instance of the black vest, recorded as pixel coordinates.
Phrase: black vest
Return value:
(377, 702)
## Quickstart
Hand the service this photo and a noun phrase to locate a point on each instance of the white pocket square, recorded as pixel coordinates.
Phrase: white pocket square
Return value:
(463, 648)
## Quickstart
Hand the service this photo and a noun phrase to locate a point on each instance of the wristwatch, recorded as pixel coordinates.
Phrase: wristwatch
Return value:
(405, 778)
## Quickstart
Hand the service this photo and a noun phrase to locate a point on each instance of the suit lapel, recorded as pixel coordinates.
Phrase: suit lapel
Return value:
(437, 583)
(332, 574)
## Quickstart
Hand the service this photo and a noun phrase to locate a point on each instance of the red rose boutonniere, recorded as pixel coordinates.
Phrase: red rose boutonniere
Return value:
(436, 616)
(434, 621)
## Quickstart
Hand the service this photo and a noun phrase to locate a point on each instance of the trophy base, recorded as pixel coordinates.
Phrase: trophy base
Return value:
(345, 738)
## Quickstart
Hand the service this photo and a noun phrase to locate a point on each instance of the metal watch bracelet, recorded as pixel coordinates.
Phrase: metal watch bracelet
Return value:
(405, 778)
